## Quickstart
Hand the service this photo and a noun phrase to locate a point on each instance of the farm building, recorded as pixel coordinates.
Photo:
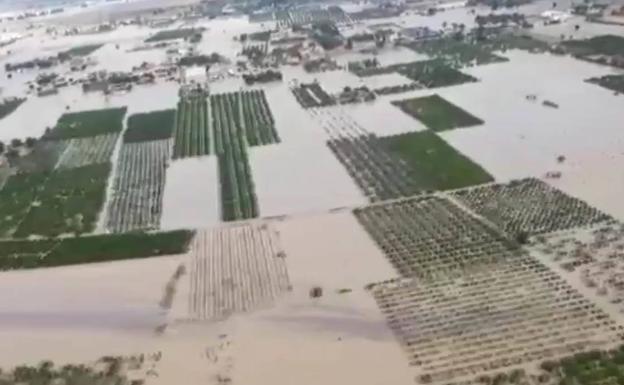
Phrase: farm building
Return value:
(194, 74)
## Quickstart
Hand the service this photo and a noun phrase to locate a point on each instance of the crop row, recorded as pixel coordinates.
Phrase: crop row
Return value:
(235, 269)
(304, 16)
(258, 118)
(28, 254)
(136, 201)
(238, 199)
(85, 151)
(252, 112)
(192, 132)
(530, 206)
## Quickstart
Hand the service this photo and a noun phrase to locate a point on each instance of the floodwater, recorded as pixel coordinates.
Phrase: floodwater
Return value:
(519, 138)
(191, 197)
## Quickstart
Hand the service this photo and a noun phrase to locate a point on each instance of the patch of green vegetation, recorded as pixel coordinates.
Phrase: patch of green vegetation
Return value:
(599, 45)
(171, 34)
(503, 42)
(10, 105)
(15, 199)
(102, 248)
(109, 372)
(437, 113)
(435, 164)
(434, 73)
(457, 53)
(16, 254)
(192, 131)
(427, 73)
(155, 125)
(69, 202)
(238, 197)
(587, 368)
(611, 82)
(82, 50)
(43, 156)
(87, 123)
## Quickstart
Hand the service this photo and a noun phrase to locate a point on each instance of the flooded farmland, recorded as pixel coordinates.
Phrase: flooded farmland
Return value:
(240, 192)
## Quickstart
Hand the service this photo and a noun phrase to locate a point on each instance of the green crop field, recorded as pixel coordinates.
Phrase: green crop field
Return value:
(598, 45)
(437, 113)
(16, 197)
(258, 119)
(82, 50)
(192, 131)
(87, 123)
(610, 82)
(172, 34)
(149, 126)
(10, 105)
(434, 73)
(435, 165)
(456, 53)
(427, 73)
(68, 202)
(89, 249)
(238, 198)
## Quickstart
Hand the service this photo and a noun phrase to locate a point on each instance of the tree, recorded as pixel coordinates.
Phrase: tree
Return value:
(16, 142)
(522, 237)
(30, 142)
(2, 147)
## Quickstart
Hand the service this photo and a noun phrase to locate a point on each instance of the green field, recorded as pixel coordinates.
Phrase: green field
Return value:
(457, 53)
(435, 164)
(89, 249)
(10, 105)
(434, 73)
(16, 197)
(598, 45)
(82, 50)
(192, 131)
(437, 113)
(155, 125)
(258, 119)
(610, 82)
(238, 198)
(172, 34)
(87, 123)
(427, 73)
(68, 202)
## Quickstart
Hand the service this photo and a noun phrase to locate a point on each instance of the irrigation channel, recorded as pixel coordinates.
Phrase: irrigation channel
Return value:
(235, 269)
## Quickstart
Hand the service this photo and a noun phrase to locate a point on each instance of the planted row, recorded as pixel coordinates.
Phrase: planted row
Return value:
(258, 118)
(192, 132)
(136, 201)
